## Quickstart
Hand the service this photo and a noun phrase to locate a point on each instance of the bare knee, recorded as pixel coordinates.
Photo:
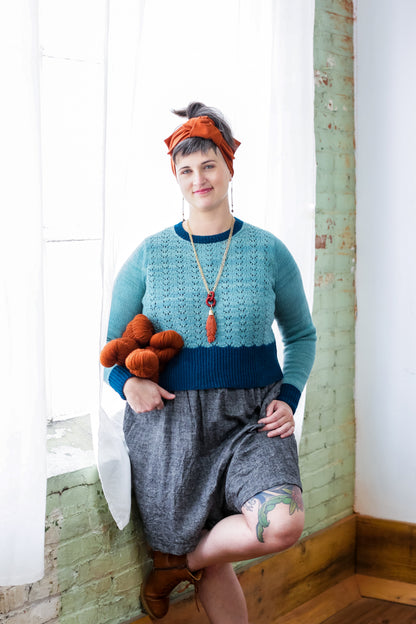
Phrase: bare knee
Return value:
(276, 516)
(282, 533)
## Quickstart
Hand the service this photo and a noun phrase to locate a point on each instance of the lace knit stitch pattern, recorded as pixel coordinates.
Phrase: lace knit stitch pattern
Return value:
(260, 282)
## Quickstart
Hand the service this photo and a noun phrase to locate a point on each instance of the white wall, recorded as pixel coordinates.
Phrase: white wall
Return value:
(386, 258)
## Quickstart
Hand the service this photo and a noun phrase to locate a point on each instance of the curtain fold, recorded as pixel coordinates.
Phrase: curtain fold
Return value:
(252, 60)
(23, 432)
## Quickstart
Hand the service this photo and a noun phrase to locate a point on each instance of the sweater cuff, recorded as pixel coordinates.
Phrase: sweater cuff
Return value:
(118, 378)
(290, 395)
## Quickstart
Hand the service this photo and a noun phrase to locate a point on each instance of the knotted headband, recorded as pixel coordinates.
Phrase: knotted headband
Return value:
(204, 128)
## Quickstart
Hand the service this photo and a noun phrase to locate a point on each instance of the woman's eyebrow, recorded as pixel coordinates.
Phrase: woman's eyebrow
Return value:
(205, 162)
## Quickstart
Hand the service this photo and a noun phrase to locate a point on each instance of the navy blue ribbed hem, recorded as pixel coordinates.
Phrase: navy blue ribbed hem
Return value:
(222, 367)
(290, 395)
(117, 378)
(218, 367)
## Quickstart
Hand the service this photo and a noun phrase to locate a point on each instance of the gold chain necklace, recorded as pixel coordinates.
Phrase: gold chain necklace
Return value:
(211, 324)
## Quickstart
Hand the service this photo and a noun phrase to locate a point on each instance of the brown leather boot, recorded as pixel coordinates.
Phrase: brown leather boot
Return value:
(168, 571)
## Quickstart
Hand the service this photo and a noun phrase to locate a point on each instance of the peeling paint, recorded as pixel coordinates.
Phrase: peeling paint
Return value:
(348, 239)
(348, 6)
(340, 22)
(320, 241)
(331, 106)
(347, 161)
(325, 280)
(321, 79)
(346, 43)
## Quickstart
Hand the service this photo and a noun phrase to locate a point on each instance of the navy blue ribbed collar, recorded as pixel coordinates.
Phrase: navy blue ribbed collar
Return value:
(216, 238)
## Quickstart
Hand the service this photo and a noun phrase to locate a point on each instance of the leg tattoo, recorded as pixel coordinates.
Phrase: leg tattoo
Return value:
(267, 500)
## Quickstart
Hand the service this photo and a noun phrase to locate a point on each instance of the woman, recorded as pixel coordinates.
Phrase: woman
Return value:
(213, 455)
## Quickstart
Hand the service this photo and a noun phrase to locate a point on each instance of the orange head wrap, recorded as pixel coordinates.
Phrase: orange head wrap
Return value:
(204, 128)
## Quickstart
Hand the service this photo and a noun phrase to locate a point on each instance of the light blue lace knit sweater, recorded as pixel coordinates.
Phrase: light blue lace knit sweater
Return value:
(260, 282)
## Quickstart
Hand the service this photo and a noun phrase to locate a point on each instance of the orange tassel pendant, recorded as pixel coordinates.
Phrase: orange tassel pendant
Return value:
(211, 326)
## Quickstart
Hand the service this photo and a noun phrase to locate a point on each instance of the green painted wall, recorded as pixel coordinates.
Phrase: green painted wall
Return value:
(93, 571)
(328, 441)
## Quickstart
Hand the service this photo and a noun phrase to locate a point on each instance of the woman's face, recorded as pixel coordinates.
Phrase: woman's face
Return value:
(203, 179)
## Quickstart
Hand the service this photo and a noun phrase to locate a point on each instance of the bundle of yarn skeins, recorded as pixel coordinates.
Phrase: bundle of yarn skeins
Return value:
(142, 351)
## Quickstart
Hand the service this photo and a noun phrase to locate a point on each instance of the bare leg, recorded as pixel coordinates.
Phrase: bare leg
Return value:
(271, 521)
(221, 595)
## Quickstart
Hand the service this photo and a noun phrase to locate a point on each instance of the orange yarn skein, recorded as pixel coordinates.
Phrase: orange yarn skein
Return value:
(140, 350)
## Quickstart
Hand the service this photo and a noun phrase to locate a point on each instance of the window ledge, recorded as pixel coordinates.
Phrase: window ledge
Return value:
(69, 446)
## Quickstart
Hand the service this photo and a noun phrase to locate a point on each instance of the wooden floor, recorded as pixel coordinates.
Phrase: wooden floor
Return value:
(371, 611)
(362, 611)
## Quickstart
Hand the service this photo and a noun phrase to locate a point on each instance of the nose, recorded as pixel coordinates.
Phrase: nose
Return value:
(199, 178)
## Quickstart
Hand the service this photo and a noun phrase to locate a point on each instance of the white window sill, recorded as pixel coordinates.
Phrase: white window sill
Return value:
(69, 446)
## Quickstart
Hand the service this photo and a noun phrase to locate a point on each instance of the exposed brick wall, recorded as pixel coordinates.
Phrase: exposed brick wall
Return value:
(93, 571)
(328, 441)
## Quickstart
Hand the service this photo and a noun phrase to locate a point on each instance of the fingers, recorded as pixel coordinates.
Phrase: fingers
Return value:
(144, 395)
(165, 394)
(279, 420)
(284, 432)
(146, 404)
(273, 429)
(158, 403)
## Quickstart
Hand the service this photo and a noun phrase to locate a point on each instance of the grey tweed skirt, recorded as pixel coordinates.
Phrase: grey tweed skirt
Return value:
(201, 458)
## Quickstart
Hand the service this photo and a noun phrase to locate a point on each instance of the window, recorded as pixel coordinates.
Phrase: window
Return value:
(72, 39)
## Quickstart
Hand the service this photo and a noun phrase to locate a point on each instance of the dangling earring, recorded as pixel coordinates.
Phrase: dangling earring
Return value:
(183, 209)
(232, 197)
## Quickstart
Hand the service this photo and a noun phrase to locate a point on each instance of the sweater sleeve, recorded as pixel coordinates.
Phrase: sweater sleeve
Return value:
(295, 325)
(126, 302)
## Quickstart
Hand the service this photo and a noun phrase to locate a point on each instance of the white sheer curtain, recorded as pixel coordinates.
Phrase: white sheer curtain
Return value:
(252, 60)
(22, 439)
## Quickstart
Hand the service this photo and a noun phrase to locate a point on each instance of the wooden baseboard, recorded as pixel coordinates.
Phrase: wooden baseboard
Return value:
(385, 549)
(291, 578)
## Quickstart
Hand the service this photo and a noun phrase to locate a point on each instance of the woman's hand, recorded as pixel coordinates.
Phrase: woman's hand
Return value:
(279, 420)
(144, 395)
